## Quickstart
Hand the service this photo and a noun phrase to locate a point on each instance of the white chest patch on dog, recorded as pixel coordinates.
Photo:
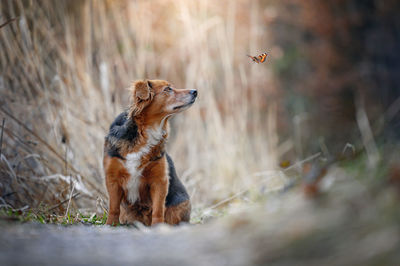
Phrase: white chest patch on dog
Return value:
(133, 162)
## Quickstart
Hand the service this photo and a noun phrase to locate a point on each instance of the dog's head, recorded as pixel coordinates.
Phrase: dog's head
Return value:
(158, 99)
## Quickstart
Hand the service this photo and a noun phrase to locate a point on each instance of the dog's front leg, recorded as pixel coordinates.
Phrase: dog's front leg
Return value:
(158, 191)
(115, 193)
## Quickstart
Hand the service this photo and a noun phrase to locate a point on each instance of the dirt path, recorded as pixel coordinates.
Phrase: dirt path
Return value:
(356, 227)
(93, 245)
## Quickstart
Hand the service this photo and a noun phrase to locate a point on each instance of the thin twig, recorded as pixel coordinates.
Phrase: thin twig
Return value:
(367, 135)
(297, 164)
(8, 22)
(64, 201)
(228, 199)
(4, 204)
(312, 157)
(393, 109)
(70, 197)
(1, 136)
(8, 194)
(66, 161)
(3, 158)
(349, 146)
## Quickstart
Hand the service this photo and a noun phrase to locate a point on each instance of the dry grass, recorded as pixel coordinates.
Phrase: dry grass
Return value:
(64, 69)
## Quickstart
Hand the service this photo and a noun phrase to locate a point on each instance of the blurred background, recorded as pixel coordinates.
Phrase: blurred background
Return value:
(330, 84)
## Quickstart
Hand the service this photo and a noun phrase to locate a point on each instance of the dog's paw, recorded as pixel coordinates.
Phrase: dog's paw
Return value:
(155, 221)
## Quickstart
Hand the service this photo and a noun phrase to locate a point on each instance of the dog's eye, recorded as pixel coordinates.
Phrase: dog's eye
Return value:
(167, 89)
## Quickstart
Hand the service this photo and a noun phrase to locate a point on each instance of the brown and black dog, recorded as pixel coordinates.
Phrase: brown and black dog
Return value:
(140, 176)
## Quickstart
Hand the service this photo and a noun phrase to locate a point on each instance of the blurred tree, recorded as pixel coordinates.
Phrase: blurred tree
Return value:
(334, 52)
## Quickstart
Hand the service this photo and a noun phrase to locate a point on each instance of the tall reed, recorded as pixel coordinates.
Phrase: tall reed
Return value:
(64, 69)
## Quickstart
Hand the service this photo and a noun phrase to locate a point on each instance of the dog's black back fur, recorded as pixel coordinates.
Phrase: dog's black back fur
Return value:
(123, 128)
(176, 191)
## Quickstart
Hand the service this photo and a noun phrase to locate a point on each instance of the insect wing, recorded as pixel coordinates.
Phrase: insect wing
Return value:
(255, 59)
(262, 57)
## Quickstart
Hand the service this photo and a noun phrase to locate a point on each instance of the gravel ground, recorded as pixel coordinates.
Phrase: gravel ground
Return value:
(347, 226)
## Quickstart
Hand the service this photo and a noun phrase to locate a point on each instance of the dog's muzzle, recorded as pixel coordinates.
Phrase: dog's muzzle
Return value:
(193, 94)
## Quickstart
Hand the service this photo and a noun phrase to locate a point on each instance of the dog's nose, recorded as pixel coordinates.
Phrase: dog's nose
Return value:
(193, 92)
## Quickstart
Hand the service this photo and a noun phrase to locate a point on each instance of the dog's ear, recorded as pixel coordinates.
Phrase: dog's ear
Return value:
(142, 94)
(142, 89)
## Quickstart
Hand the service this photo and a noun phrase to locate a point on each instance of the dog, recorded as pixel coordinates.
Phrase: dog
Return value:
(140, 176)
